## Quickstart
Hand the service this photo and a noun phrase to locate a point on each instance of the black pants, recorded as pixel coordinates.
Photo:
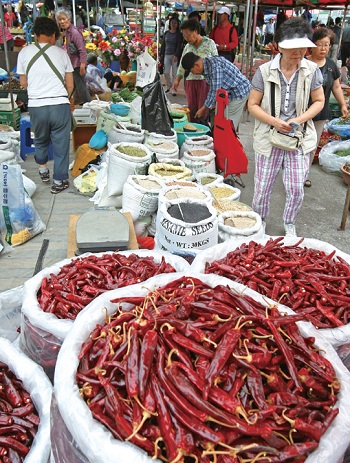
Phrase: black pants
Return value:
(229, 55)
(344, 52)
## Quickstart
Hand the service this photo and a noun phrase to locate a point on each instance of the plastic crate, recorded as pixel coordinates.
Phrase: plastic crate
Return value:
(6, 117)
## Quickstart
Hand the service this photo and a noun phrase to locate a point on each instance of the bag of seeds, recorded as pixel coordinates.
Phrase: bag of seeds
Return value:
(140, 195)
(209, 180)
(132, 133)
(201, 142)
(186, 224)
(200, 160)
(125, 159)
(167, 171)
(163, 149)
(235, 224)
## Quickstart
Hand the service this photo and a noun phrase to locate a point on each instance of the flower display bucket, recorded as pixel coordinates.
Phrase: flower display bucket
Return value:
(115, 66)
(134, 65)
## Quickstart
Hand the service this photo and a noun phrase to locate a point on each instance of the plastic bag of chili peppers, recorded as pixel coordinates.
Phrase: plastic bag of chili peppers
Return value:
(53, 298)
(10, 312)
(25, 407)
(309, 276)
(199, 366)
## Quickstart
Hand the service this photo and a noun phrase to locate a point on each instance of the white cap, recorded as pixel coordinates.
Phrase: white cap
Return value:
(224, 9)
(297, 42)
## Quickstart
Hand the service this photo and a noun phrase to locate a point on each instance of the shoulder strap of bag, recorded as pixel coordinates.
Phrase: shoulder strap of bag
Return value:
(37, 56)
(41, 52)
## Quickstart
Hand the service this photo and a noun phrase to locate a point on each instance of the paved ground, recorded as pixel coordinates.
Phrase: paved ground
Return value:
(320, 216)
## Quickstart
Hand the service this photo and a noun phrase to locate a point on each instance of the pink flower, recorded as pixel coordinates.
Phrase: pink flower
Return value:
(138, 50)
(117, 52)
(114, 39)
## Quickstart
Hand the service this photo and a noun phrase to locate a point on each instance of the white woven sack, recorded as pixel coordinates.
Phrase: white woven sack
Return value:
(5, 144)
(120, 166)
(172, 152)
(160, 137)
(176, 235)
(138, 200)
(44, 330)
(235, 196)
(141, 226)
(151, 228)
(335, 336)
(99, 446)
(217, 179)
(192, 191)
(40, 389)
(117, 135)
(200, 164)
(190, 143)
(229, 233)
(7, 155)
(176, 172)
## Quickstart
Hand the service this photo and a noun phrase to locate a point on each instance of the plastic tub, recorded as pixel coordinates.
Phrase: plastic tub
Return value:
(119, 109)
(181, 136)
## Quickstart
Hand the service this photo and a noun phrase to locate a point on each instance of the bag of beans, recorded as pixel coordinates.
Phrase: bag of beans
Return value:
(174, 192)
(167, 171)
(125, 159)
(235, 224)
(186, 225)
(163, 149)
(200, 142)
(140, 195)
(224, 191)
(200, 160)
(209, 180)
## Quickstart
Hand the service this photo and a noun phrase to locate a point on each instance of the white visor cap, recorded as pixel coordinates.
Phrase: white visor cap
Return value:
(298, 42)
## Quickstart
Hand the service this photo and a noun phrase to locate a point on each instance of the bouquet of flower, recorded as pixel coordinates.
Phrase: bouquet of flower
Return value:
(135, 48)
(152, 49)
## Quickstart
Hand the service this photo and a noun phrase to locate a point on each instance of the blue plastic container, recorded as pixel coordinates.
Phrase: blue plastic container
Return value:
(182, 135)
(343, 130)
(119, 109)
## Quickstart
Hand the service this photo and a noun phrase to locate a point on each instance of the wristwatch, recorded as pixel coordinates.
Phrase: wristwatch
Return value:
(225, 46)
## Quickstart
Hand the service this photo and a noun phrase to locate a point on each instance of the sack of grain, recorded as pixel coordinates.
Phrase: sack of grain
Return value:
(186, 225)
(154, 136)
(132, 133)
(225, 191)
(190, 143)
(223, 205)
(125, 159)
(174, 192)
(209, 180)
(200, 160)
(140, 195)
(235, 224)
(167, 171)
(163, 149)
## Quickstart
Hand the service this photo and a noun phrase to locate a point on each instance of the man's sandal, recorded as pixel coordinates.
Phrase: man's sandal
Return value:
(307, 183)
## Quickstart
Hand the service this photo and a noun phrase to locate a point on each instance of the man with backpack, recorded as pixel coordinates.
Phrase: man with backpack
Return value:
(225, 35)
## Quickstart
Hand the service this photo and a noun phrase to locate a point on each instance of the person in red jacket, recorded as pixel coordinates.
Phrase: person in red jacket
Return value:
(225, 35)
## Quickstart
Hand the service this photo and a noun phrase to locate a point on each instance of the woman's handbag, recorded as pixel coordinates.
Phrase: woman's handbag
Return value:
(283, 140)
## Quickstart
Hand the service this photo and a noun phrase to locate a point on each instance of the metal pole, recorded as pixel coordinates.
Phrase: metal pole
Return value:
(88, 14)
(158, 24)
(246, 32)
(8, 68)
(74, 16)
(253, 41)
(34, 10)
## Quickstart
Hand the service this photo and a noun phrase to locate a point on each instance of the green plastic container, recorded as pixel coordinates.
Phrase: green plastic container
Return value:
(181, 136)
(6, 118)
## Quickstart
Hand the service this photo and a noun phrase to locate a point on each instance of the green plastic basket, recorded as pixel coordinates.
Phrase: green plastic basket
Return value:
(181, 136)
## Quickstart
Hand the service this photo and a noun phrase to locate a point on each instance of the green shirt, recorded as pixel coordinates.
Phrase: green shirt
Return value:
(206, 48)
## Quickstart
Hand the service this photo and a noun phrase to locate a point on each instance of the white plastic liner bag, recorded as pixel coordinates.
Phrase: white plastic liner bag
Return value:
(141, 201)
(42, 333)
(163, 149)
(99, 446)
(120, 166)
(40, 389)
(228, 232)
(118, 135)
(331, 162)
(177, 235)
(200, 160)
(335, 336)
(190, 143)
(10, 312)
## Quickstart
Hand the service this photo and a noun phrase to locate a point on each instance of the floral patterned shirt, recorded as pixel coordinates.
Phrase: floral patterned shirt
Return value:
(206, 48)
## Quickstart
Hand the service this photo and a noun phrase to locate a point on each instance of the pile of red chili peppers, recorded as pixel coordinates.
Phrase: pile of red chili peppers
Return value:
(311, 282)
(19, 420)
(83, 279)
(208, 375)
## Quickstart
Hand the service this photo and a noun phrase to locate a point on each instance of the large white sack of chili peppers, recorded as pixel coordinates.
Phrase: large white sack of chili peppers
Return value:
(43, 330)
(36, 383)
(325, 278)
(186, 224)
(97, 443)
(125, 159)
(140, 195)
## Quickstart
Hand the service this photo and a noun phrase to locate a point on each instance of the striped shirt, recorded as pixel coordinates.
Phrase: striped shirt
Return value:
(221, 73)
(288, 89)
(206, 48)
